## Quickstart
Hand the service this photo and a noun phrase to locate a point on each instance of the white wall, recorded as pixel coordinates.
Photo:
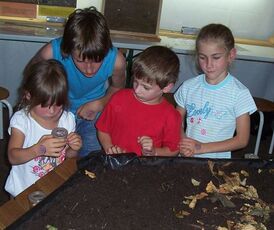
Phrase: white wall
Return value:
(246, 18)
(86, 3)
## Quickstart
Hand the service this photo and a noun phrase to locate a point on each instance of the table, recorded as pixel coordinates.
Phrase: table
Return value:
(15, 208)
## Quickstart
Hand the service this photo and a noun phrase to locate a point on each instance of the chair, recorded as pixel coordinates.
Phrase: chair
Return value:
(272, 139)
(263, 105)
(4, 93)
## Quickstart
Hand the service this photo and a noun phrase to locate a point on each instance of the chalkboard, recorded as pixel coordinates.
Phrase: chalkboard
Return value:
(133, 17)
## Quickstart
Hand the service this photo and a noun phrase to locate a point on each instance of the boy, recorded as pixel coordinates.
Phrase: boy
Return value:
(140, 120)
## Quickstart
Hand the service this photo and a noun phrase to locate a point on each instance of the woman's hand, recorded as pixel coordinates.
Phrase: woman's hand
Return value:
(89, 110)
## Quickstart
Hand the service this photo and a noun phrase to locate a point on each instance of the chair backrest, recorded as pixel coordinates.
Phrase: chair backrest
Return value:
(264, 105)
(4, 93)
(8, 105)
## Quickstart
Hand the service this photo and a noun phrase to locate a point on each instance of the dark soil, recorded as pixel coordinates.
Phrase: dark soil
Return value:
(148, 196)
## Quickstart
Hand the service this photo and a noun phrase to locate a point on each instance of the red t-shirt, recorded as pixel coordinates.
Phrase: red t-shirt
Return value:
(125, 119)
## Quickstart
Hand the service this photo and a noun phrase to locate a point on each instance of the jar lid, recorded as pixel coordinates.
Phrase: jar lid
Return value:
(36, 196)
(59, 132)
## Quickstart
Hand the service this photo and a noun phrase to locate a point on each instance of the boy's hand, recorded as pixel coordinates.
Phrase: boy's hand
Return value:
(74, 141)
(147, 146)
(50, 146)
(115, 150)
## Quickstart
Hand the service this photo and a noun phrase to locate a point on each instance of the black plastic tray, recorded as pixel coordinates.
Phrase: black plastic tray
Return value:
(99, 161)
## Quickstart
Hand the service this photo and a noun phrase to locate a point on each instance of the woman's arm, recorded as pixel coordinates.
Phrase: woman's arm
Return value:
(89, 110)
(118, 78)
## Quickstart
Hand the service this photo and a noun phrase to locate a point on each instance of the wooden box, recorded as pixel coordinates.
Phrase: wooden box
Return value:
(16, 9)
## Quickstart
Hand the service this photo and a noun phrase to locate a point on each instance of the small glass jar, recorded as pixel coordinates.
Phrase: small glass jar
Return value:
(59, 132)
(35, 197)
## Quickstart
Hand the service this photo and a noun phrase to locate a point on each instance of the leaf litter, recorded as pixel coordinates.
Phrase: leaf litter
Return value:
(254, 213)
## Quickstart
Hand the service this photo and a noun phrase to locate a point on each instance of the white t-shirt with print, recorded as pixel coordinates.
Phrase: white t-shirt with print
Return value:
(211, 110)
(24, 175)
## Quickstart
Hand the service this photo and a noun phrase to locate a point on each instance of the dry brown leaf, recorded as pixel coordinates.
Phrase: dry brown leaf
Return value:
(221, 173)
(234, 174)
(189, 197)
(234, 180)
(248, 227)
(239, 189)
(186, 202)
(227, 164)
(200, 222)
(225, 201)
(224, 190)
(181, 214)
(251, 192)
(195, 182)
(261, 226)
(211, 166)
(248, 219)
(244, 173)
(90, 174)
(204, 210)
(201, 195)
(210, 188)
(230, 224)
(193, 203)
(222, 228)
(243, 182)
(229, 188)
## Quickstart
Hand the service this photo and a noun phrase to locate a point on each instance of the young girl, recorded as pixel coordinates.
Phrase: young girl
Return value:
(32, 150)
(214, 103)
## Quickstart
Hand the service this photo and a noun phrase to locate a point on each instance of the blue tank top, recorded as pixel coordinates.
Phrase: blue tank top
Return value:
(83, 89)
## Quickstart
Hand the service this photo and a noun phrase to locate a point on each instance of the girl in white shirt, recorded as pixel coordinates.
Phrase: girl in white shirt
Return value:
(215, 104)
(32, 150)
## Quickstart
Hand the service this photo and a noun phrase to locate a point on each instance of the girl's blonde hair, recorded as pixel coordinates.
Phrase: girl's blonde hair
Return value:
(217, 32)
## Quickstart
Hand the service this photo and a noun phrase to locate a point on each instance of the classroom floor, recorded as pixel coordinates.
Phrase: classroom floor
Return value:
(263, 151)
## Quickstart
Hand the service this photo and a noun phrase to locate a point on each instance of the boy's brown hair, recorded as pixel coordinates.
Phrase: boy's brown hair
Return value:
(86, 31)
(157, 63)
